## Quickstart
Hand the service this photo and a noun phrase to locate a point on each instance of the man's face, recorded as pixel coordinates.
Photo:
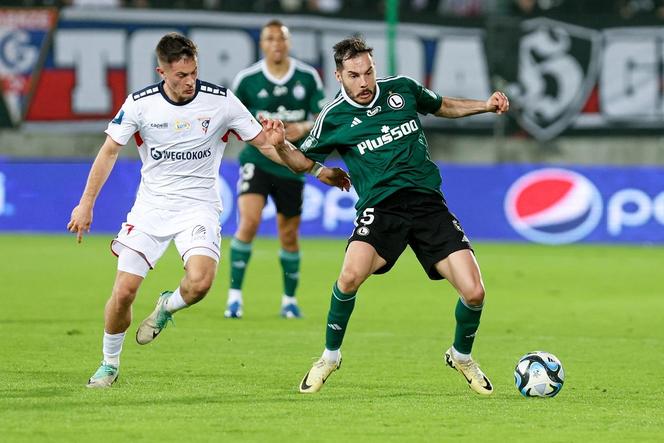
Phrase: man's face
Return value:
(179, 78)
(358, 78)
(275, 43)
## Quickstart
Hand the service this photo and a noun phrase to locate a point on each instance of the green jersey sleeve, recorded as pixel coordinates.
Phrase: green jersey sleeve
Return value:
(428, 102)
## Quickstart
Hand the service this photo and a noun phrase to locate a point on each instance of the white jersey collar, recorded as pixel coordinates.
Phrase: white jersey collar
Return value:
(356, 104)
(279, 81)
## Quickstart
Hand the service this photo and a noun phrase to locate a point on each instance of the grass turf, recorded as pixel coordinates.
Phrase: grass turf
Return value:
(598, 308)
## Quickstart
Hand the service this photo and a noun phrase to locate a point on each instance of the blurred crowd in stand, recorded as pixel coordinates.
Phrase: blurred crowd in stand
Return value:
(411, 9)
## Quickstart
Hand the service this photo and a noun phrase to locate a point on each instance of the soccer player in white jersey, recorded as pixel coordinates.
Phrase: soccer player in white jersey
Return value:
(180, 125)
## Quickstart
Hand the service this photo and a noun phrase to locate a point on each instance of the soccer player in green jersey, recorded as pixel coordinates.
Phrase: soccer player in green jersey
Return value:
(374, 125)
(276, 87)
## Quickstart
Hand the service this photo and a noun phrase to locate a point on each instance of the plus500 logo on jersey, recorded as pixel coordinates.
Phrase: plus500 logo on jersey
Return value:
(560, 206)
(189, 155)
(389, 135)
(553, 206)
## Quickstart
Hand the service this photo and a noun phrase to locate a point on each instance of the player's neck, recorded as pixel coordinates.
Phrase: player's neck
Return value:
(278, 70)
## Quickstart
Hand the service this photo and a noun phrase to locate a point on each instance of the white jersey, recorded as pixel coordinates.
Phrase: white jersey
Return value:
(181, 144)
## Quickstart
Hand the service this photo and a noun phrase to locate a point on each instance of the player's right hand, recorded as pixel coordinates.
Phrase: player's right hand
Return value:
(81, 219)
(336, 177)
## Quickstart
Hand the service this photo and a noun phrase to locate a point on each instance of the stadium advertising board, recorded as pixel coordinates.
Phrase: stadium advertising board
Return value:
(505, 202)
(24, 34)
(559, 76)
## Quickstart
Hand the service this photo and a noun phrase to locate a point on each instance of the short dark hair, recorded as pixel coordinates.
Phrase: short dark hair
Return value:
(275, 22)
(173, 47)
(350, 48)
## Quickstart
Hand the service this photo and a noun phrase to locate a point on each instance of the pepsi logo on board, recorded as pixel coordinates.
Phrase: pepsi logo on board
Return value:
(553, 206)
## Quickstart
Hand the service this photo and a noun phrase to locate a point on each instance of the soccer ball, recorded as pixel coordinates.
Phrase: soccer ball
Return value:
(539, 374)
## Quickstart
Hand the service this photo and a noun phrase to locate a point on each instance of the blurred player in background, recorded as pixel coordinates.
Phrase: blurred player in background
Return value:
(278, 87)
(375, 127)
(179, 125)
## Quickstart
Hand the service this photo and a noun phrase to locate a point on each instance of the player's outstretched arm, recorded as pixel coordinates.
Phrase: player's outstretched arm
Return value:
(272, 143)
(462, 107)
(81, 215)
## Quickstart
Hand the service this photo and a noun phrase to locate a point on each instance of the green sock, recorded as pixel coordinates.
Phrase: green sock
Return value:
(290, 266)
(240, 253)
(467, 322)
(341, 307)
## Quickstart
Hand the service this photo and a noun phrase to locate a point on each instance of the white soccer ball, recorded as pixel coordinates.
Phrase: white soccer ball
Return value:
(539, 374)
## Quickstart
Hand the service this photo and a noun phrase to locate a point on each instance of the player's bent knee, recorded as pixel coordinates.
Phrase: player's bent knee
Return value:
(350, 280)
(124, 295)
(474, 296)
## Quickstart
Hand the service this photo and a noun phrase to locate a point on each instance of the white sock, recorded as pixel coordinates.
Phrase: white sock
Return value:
(459, 356)
(175, 302)
(112, 346)
(234, 295)
(331, 355)
(286, 300)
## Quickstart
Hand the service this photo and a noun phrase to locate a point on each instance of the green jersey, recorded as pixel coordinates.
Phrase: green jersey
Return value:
(293, 98)
(382, 144)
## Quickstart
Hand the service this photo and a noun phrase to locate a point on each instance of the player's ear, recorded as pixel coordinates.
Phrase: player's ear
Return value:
(337, 74)
(160, 71)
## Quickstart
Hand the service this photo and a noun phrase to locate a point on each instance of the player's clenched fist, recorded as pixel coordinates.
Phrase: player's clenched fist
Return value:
(498, 103)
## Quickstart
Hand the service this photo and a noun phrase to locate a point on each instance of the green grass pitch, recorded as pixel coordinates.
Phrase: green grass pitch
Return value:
(600, 309)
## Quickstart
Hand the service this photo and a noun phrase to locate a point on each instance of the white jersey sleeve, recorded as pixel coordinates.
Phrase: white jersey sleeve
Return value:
(240, 119)
(125, 124)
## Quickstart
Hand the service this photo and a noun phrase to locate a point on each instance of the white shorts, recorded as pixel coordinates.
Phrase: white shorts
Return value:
(149, 231)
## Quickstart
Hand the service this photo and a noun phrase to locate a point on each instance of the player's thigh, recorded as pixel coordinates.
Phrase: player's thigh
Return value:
(436, 233)
(250, 207)
(201, 237)
(146, 247)
(386, 230)
(361, 260)
(460, 268)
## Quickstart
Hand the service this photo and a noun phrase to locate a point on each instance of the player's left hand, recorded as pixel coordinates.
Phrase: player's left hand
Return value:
(498, 103)
(274, 130)
(81, 219)
(336, 177)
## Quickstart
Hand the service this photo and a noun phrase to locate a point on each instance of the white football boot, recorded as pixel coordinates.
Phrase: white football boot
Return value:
(319, 372)
(104, 377)
(476, 379)
(152, 326)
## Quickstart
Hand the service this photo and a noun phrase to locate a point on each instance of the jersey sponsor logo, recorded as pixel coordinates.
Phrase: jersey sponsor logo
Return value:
(299, 92)
(395, 101)
(278, 91)
(356, 121)
(177, 156)
(553, 206)
(389, 135)
(309, 142)
(118, 118)
(262, 93)
(374, 111)
(182, 125)
(287, 115)
(205, 124)
(159, 125)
